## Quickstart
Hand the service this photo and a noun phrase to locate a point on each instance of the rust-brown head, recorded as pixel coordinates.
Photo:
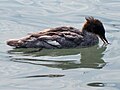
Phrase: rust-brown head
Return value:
(95, 26)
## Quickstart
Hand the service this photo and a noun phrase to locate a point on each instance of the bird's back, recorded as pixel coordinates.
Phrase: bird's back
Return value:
(60, 37)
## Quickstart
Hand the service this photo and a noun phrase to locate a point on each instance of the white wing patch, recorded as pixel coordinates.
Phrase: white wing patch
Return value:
(53, 42)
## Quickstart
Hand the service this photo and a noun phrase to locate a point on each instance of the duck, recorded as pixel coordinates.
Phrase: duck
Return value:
(64, 36)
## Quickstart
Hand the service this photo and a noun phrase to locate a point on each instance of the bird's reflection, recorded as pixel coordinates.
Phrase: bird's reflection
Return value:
(89, 57)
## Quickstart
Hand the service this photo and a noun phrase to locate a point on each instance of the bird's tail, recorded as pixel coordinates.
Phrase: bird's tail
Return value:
(14, 42)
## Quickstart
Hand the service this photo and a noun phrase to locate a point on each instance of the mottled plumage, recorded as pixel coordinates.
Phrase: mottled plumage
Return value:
(63, 37)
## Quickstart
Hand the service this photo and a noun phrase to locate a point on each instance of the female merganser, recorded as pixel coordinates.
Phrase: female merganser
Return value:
(64, 37)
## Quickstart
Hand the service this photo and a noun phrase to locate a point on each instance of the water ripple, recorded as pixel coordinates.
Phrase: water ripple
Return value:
(19, 17)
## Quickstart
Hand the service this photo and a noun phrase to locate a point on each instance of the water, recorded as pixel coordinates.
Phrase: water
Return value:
(96, 68)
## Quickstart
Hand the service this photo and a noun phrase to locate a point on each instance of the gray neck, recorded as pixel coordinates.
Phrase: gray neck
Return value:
(90, 39)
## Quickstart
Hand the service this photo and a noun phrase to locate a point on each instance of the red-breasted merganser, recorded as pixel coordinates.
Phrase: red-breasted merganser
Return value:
(64, 37)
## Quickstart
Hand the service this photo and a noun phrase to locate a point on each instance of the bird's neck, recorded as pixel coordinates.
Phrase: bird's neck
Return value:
(84, 32)
(89, 38)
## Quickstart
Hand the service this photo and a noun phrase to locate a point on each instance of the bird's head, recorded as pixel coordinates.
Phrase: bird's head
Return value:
(95, 26)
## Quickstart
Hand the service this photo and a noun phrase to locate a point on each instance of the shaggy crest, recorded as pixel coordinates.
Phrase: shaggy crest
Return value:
(89, 19)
